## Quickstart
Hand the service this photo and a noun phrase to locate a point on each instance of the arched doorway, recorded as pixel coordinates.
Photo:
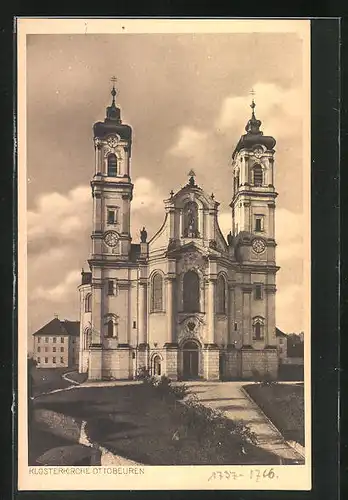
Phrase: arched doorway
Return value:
(156, 365)
(190, 360)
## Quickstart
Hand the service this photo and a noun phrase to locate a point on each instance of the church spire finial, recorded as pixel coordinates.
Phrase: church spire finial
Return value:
(113, 91)
(253, 125)
(112, 111)
(252, 105)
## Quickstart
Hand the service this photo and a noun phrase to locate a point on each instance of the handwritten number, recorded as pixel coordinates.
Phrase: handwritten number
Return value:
(255, 474)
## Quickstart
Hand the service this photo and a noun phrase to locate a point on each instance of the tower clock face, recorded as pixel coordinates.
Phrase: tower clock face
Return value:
(111, 239)
(112, 141)
(259, 245)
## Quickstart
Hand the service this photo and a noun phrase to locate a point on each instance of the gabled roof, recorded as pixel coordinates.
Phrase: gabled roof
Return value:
(279, 333)
(58, 327)
(72, 327)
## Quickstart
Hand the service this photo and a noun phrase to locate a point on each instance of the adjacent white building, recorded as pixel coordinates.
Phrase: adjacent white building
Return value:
(57, 344)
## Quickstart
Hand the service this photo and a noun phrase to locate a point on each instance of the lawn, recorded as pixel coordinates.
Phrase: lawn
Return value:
(134, 422)
(47, 379)
(78, 377)
(284, 406)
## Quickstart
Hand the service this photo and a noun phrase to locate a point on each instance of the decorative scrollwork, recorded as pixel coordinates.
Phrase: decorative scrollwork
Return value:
(193, 260)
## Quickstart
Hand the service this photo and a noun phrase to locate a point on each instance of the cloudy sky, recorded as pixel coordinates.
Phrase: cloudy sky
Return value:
(187, 99)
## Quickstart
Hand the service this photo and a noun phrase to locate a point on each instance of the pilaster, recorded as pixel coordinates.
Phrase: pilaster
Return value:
(169, 309)
(211, 310)
(247, 333)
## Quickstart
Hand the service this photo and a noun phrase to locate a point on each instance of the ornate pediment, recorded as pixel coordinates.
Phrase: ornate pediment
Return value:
(193, 259)
(191, 327)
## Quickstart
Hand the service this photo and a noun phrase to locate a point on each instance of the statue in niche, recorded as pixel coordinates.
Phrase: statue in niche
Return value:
(191, 220)
(143, 235)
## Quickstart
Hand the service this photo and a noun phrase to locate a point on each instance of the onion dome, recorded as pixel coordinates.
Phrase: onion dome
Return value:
(254, 136)
(112, 123)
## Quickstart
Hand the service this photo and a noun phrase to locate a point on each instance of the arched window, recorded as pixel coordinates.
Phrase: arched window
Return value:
(257, 175)
(258, 328)
(221, 295)
(191, 220)
(157, 293)
(87, 338)
(191, 292)
(110, 328)
(112, 165)
(88, 303)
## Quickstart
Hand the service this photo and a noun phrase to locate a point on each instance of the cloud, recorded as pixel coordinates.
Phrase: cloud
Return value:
(280, 110)
(289, 308)
(225, 222)
(60, 292)
(289, 235)
(189, 141)
(45, 259)
(60, 215)
(147, 196)
(289, 225)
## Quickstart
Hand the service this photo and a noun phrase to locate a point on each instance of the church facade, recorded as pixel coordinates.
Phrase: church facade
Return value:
(186, 303)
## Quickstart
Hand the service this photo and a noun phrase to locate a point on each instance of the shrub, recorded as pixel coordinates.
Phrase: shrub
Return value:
(263, 378)
(143, 373)
(179, 391)
(268, 380)
(164, 387)
(212, 423)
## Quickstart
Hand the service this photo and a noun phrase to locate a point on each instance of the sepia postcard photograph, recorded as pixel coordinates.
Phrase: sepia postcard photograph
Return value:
(163, 254)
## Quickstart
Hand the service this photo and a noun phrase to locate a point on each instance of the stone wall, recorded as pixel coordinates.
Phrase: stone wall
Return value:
(95, 364)
(262, 361)
(232, 364)
(117, 364)
(292, 361)
(211, 364)
(171, 357)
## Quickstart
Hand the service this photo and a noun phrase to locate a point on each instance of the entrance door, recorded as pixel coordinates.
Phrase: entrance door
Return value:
(191, 356)
(157, 365)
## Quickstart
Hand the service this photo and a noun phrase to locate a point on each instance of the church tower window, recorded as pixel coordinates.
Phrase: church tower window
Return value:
(221, 295)
(191, 292)
(112, 165)
(112, 216)
(191, 220)
(257, 175)
(258, 327)
(258, 292)
(157, 293)
(110, 329)
(88, 302)
(259, 223)
(110, 287)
